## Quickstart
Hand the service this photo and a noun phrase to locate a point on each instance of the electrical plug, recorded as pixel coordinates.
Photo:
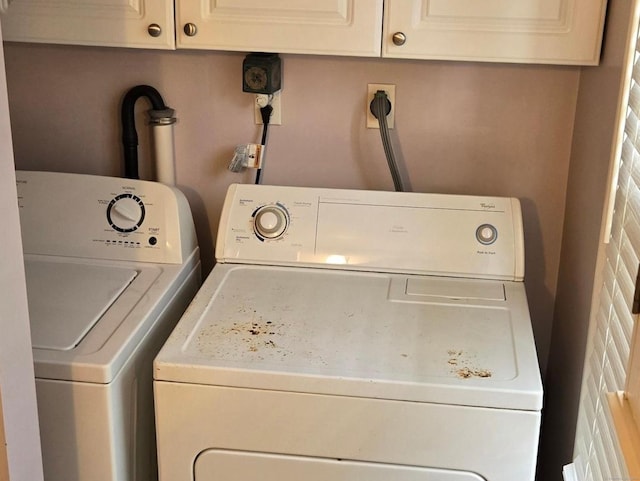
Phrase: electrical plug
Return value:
(275, 101)
(374, 106)
(262, 100)
(265, 113)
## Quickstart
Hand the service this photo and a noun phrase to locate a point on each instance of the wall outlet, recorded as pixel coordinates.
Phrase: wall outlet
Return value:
(372, 122)
(276, 103)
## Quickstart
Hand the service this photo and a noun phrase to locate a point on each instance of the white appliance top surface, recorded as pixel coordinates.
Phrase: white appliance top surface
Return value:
(388, 336)
(88, 315)
(103, 257)
(66, 300)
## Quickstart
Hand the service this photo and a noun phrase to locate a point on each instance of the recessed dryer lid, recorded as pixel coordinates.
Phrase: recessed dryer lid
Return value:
(66, 299)
(385, 336)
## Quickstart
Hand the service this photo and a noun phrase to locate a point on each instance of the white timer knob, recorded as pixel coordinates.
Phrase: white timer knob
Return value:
(271, 221)
(125, 213)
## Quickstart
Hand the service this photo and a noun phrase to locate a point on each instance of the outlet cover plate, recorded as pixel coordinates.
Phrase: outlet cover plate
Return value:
(276, 103)
(372, 122)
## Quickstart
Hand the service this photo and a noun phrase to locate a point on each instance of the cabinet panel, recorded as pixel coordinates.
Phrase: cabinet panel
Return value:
(329, 27)
(526, 31)
(118, 23)
(523, 31)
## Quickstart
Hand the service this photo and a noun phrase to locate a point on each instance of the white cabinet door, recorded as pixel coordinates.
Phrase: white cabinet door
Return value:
(115, 23)
(523, 31)
(328, 27)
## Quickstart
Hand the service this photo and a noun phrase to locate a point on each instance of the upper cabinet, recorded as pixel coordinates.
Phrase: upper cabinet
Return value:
(326, 27)
(523, 31)
(112, 23)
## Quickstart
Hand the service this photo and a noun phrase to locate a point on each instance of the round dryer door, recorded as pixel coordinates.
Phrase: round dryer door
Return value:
(244, 465)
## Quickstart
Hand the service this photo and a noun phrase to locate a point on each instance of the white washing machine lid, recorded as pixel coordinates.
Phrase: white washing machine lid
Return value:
(387, 336)
(95, 313)
(67, 300)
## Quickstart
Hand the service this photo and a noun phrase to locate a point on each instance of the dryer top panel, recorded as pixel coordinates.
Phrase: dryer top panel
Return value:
(378, 335)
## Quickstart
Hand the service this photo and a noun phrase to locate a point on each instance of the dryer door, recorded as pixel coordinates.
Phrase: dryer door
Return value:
(214, 465)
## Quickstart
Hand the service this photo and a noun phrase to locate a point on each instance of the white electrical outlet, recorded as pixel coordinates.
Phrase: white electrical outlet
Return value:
(276, 103)
(372, 122)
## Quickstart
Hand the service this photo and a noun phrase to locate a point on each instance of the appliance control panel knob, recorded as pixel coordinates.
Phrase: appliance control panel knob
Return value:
(125, 213)
(486, 234)
(270, 221)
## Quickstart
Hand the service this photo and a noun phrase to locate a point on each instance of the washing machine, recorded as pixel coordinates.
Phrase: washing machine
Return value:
(111, 264)
(353, 335)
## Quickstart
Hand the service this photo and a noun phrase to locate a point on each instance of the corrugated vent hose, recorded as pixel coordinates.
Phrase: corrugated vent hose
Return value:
(380, 107)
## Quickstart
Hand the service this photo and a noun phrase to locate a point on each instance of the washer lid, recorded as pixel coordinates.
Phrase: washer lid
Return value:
(66, 299)
(386, 336)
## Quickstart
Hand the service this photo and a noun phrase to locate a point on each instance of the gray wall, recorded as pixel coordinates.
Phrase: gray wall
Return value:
(460, 128)
(588, 174)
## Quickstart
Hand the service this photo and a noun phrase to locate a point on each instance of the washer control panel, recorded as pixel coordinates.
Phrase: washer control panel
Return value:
(103, 218)
(366, 230)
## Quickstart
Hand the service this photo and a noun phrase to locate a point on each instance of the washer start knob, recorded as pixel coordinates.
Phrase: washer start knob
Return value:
(270, 221)
(125, 213)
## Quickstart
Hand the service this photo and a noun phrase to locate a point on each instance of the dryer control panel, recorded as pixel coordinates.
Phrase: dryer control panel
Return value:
(97, 217)
(436, 234)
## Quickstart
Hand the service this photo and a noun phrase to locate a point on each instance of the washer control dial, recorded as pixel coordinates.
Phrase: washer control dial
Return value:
(486, 234)
(270, 221)
(125, 213)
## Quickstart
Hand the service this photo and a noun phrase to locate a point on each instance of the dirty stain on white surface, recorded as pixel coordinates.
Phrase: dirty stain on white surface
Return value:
(349, 325)
(463, 365)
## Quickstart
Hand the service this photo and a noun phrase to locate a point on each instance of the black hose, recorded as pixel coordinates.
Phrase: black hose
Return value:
(129, 134)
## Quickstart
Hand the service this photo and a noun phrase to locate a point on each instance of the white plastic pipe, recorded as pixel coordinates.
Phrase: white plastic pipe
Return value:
(164, 153)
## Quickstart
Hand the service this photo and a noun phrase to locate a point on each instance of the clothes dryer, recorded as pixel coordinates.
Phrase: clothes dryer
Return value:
(352, 335)
(111, 265)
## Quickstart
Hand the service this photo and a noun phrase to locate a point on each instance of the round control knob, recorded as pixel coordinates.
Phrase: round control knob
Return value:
(125, 213)
(399, 38)
(270, 221)
(486, 234)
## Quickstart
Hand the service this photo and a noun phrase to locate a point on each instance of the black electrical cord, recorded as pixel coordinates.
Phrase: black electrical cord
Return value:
(265, 113)
(380, 107)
